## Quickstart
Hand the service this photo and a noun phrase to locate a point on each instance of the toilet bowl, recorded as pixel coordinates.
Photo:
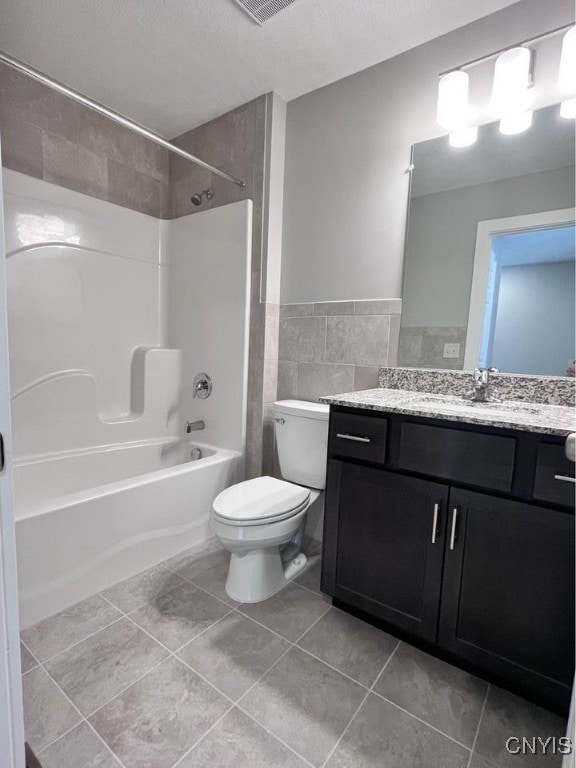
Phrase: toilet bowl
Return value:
(261, 521)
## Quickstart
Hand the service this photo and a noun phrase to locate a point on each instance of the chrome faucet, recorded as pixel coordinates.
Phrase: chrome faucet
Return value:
(481, 391)
(194, 426)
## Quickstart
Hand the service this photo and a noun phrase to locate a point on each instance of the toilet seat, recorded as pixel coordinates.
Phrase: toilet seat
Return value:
(260, 501)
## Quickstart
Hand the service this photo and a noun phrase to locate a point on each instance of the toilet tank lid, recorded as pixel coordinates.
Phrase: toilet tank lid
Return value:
(303, 408)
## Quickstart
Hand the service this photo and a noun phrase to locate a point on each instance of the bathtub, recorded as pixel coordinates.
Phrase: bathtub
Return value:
(88, 519)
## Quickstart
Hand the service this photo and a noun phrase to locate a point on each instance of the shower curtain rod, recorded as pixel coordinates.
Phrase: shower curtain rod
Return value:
(116, 116)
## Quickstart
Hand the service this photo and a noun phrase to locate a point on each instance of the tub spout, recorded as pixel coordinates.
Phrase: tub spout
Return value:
(194, 426)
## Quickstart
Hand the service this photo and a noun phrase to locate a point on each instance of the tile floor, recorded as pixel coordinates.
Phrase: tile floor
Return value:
(164, 670)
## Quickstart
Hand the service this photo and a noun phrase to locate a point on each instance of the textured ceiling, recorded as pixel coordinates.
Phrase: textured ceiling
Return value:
(174, 64)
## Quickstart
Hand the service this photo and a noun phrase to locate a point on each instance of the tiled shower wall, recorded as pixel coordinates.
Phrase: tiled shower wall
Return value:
(51, 137)
(336, 346)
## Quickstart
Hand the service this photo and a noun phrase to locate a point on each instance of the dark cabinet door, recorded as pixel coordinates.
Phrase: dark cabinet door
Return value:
(508, 592)
(386, 557)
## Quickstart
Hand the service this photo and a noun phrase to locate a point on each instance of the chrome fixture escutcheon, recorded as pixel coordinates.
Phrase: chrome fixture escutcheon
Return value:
(202, 386)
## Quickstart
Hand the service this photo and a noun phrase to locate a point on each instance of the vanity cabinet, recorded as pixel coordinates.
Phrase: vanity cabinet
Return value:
(446, 535)
(393, 527)
(507, 592)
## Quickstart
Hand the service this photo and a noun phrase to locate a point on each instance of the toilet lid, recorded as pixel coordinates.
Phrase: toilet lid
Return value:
(262, 499)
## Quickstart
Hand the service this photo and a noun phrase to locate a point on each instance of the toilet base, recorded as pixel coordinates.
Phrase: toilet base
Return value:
(256, 574)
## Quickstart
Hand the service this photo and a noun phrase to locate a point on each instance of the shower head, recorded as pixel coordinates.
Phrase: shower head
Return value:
(207, 193)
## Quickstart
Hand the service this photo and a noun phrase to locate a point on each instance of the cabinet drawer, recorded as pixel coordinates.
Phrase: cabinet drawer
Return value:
(452, 454)
(358, 437)
(552, 462)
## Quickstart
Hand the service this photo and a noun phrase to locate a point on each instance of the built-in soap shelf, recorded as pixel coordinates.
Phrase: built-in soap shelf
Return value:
(60, 411)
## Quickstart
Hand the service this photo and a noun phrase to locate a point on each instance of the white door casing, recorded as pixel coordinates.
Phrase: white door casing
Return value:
(482, 259)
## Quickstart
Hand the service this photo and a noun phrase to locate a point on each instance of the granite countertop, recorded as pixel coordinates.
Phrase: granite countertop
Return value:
(511, 414)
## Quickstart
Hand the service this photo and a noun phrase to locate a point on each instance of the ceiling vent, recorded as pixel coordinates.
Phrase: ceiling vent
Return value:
(262, 10)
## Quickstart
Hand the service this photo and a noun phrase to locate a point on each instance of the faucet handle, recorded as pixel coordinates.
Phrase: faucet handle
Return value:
(481, 375)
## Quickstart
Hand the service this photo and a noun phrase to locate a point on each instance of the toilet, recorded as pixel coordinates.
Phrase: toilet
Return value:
(261, 521)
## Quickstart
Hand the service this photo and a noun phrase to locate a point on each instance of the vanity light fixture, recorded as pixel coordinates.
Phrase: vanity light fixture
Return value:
(453, 111)
(463, 137)
(515, 122)
(567, 73)
(512, 79)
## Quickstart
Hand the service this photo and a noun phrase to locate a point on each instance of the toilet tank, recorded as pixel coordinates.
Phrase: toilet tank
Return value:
(302, 441)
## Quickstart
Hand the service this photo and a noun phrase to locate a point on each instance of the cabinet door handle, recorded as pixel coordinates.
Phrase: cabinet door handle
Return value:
(565, 478)
(435, 522)
(453, 531)
(356, 438)
(1, 453)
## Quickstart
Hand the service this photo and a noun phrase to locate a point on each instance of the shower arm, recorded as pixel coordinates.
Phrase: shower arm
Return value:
(35, 74)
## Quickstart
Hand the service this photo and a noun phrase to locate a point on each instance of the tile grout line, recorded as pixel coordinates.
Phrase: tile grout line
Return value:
(38, 663)
(110, 750)
(478, 727)
(290, 648)
(429, 725)
(187, 643)
(254, 684)
(277, 738)
(335, 747)
(335, 669)
(236, 705)
(83, 720)
(201, 738)
(92, 634)
(171, 654)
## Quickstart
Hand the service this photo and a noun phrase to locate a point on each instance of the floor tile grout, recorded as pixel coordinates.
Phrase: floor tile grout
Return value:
(187, 643)
(173, 655)
(424, 722)
(114, 755)
(92, 634)
(270, 733)
(335, 747)
(292, 644)
(83, 720)
(33, 656)
(193, 747)
(116, 695)
(330, 666)
(478, 726)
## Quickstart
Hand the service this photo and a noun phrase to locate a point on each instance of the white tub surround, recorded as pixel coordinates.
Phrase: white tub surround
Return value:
(208, 289)
(87, 361)
(86, 520)
(111, 315)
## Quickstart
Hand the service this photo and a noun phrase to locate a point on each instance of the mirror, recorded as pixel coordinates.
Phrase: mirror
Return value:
(489, 257)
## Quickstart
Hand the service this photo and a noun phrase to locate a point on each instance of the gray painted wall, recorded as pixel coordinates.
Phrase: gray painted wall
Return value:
(348, 146)
(442, 239)
(539, 299)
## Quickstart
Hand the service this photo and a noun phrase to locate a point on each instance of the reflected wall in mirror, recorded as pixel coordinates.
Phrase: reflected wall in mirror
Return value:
(489, 261)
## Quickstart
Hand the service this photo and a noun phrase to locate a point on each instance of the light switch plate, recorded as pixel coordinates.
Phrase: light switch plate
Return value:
(451, 350)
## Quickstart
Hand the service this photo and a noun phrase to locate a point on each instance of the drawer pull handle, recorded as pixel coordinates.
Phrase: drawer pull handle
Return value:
(356, 438)
(565, 478)
(453, 531)
(435, 522)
